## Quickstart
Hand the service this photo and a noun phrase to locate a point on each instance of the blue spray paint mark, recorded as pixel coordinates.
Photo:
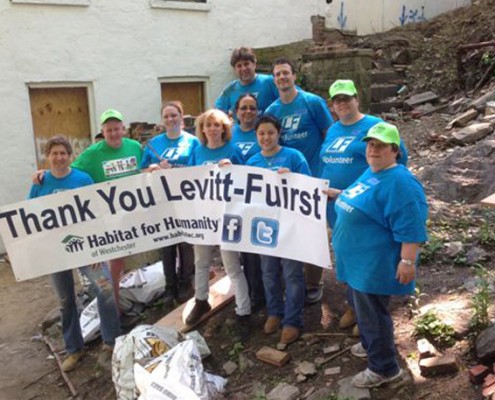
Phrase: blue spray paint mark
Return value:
(411, 15)
(342, 18)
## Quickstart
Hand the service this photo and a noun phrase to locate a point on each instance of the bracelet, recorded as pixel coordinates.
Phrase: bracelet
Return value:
(409, 262)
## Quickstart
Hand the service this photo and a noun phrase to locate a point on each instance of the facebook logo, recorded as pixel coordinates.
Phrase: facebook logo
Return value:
(340, 144)
(264, 232)
(232, 228)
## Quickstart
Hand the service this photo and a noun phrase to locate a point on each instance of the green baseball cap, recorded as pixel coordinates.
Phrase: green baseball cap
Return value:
(111, 113)
(384, 132)
(342, 86)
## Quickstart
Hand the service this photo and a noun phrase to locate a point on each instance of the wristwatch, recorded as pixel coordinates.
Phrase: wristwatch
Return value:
(407, 261)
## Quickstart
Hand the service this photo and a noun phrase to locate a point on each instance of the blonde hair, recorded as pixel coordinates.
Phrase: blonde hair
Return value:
(215, 115)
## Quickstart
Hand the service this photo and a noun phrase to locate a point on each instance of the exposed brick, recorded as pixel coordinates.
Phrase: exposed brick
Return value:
(438, 365)
(489, 380)
(488, 391)
(478, 373)
(425, 349)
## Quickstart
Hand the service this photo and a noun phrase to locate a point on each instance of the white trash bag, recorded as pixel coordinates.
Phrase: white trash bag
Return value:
(177, 374)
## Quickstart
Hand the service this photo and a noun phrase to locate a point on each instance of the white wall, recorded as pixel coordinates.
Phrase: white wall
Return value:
(122, 48)
(372, 16)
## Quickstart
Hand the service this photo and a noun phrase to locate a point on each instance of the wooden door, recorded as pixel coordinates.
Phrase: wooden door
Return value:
(191, 94)
(60, 111)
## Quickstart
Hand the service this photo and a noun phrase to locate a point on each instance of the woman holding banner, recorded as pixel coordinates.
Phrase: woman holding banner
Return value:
(61, 177)
(287, 313)
(213, 129)
(172, 149)
(244, 136)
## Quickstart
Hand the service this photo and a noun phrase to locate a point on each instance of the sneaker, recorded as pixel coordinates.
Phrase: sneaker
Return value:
(314, 295)
(272, 324)
(186, 291)
(289, 334)
(201, 307)
(358, 350)
(169, 296)
(71, 361)
(370, 379)
(104, 359)
(348, 319)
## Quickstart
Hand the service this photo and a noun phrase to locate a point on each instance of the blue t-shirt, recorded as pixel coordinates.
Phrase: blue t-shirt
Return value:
(284, 158)
(175, 151)
(343, 156)
(75, 179)
(246, 141)
(203, 155)
(304, 121)
(375, 215)
(262, 87)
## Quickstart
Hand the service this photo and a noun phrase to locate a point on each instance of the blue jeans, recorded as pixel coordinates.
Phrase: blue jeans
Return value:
(377, 331)
(101, 285)
(290, 311)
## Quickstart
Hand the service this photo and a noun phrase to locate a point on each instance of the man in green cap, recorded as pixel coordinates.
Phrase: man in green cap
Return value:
(112, 158)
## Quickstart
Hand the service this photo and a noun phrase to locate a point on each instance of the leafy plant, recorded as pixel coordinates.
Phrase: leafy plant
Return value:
(237, 349)
(434, 329)
(413, 304)
(481, 300)
(431, 248)
(487, 231)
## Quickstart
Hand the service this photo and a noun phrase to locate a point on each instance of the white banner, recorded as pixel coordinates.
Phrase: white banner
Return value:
(239, 208)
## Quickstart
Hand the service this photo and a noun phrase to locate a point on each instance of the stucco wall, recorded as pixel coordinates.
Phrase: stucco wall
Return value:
(372, 16)
(122, 48)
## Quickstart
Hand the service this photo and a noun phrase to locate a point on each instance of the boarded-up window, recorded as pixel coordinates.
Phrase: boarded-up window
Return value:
(60, 111)
(191, 94)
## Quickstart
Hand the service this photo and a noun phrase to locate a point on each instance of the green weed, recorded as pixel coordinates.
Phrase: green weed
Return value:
(434, 329)
(481, 300)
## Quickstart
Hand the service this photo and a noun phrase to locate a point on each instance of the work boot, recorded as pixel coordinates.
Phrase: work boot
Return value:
(201, 307)
(169, 296)
(272, 324)
(104, 359)
(186, 291)
(289, 334)
(348, 319)
(355, 331)
(71, 361)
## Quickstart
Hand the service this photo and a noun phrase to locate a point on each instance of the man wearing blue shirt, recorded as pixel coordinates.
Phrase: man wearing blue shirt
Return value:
(305, 119)
(243, 60)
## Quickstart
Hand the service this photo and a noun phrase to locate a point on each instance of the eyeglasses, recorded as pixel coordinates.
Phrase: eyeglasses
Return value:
(342, 99)
(250, 108)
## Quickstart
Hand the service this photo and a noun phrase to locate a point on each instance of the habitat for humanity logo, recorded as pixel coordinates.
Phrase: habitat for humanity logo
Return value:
(73, 243)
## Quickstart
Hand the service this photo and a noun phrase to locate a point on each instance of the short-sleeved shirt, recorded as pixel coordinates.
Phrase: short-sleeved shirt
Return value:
(246, 141)
(104, 163)
(51, 184)
(284, 158)
(304, 121)
(343, 155)
(203, 155)
(375, 215)
(262, 87)
(176, 151)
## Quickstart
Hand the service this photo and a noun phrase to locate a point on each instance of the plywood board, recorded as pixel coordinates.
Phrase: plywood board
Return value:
(489, 201)
(221, 294)
(60, 111)
(191, 94)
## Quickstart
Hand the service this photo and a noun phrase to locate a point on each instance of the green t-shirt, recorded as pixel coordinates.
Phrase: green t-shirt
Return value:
(104, 163)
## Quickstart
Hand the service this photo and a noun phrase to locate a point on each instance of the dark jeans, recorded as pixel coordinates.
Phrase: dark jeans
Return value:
(377, 331)
(252, 269)
(183, 274)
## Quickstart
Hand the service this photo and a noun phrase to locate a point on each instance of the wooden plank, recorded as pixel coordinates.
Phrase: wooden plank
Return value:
(489, 201)
(191, 94)
(60, 111)
(221, 294)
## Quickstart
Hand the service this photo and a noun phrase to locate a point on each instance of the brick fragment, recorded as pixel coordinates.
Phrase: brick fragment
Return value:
(489, 380)
(425, 349)
(488, 391)
(438, 365)
(478, 373)
(272, 356)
